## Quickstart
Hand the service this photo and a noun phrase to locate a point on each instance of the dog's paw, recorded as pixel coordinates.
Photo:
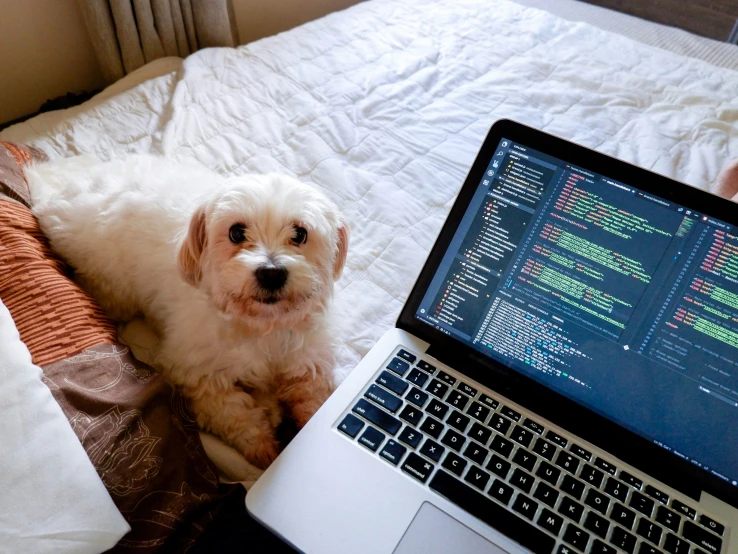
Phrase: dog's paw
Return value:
(257, 442)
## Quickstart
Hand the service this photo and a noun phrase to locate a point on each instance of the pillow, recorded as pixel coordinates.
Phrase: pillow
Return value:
(136, 430)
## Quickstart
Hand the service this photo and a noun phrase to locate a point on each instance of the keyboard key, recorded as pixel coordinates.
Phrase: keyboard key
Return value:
(457, 400)
(667, 518)
(499, 423)
(646, 548)
(525, 459)
(489, 401)
(466, 389)
(629, 479)
(411, 414)
(623, 540)
(547, 495)
(521, 436)
(398, 366)
(548, 473)
(477, 477)
(437, 409)
(501, 445)
(454, 463)
(405, 355)
(622, 515)
(576, 537)
(393, 452)
(377, 416)
(605, 466)
(446, 378)
(525, 506)
(649, 531)
(395, 384)
(437, 388)
(510, 413)
(537, 428)
(675, 545)
(599, 547)
(410, 437)
(557, 439)
(702, 538)
(581, 452)
(432, 426)
(458, 421)
(591, 476)
(351, 425)
(597, 501)
(657, 494)
(572, 510)
(598, 525)
(417, 377)
(501, 491)
(478, 412)
(616, 489)
(476, 453)
(544, 449)
(498, 466)
(417, 397)
(453, 440)
(522, 480)
(567, 461)
(572, 486)
(550, 521)
(425, 366)
(432, 449)
(479, 433)
(712, 525)
(641, 503)
(417, 467)
(683, 509)
(491, 513)
(371, 438)
(383, 397)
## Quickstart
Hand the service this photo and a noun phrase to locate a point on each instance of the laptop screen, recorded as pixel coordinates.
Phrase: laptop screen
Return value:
(620, 300)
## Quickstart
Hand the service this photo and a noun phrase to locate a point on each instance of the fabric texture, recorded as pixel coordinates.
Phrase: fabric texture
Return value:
(52, 500)
(384, 106)
(137, 431)
(12, 179)
(128, 34)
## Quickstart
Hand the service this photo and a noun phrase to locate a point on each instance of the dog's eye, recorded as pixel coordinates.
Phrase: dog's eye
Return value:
(300, 236)
(237, 233)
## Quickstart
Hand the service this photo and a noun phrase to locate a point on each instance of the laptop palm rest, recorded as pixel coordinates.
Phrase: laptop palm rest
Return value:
(433, 531)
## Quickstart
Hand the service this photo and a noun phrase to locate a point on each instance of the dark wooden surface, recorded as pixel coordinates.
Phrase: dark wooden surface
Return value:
(709, 18)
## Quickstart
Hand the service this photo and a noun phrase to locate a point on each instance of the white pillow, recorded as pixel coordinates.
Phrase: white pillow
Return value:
(51, 498)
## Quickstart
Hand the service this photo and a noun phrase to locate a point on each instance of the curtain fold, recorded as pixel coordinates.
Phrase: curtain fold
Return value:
(127, 34)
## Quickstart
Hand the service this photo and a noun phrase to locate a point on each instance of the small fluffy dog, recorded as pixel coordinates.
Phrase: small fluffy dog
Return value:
(234, 275)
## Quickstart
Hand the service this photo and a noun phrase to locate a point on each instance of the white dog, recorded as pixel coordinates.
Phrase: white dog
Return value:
(234, 275)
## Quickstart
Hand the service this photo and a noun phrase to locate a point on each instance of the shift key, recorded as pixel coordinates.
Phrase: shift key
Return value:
(384, 398)
(377, 416)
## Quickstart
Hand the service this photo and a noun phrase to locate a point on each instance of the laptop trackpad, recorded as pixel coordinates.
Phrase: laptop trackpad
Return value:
(433, 531)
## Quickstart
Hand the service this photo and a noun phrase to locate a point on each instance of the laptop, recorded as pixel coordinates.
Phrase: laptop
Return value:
(563, 378)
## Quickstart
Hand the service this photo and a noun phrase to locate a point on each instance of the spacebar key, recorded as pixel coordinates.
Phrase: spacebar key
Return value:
(377, 416)
(492, 513)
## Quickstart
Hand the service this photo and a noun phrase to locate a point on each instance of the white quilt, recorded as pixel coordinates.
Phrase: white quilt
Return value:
(384, 106)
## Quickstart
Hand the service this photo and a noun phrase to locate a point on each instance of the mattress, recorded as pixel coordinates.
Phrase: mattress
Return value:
(384, 106)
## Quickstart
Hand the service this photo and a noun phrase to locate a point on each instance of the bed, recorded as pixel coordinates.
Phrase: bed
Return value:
(383, 107)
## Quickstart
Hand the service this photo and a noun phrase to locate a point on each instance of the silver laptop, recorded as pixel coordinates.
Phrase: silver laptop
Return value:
(563, 378)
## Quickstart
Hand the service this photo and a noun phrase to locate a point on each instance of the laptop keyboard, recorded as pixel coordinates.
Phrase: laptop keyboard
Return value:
(532, 484)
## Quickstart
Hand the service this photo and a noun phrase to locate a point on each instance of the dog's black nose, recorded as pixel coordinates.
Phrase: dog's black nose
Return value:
(271, 278)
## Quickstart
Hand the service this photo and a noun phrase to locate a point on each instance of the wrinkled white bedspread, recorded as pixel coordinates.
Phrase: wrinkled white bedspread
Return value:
(384, 106)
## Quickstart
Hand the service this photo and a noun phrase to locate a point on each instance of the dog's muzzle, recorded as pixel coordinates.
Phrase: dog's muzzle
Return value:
(271, 277)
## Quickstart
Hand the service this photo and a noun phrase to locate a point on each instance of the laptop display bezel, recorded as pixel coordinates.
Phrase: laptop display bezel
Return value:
(608, 435)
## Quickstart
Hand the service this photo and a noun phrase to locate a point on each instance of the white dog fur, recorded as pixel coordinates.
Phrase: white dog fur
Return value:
(151, 237)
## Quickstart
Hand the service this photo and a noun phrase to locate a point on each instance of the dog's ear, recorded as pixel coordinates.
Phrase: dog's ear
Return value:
(342, 251)
(190, 253)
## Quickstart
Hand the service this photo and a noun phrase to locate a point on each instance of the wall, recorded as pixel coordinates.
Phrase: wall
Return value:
(44, 53)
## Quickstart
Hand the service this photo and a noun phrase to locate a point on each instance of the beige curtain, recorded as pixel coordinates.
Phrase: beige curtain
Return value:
(127, 34)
